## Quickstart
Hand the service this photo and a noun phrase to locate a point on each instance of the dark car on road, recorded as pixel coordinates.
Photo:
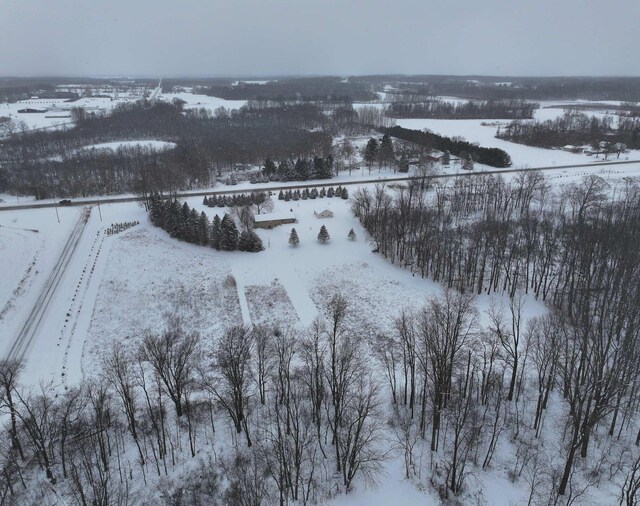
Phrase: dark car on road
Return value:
(64, 202)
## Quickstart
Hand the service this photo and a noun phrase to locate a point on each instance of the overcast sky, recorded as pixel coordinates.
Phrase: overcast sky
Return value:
(276, 37)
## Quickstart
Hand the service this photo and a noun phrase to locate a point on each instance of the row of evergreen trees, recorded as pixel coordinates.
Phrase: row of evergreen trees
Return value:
(185, 224)
(323, 236)
(236, 200)
(313, 193)
(300, 170)
(494, 157)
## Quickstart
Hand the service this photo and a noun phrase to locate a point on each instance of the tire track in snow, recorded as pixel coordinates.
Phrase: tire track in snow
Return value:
(29, 330)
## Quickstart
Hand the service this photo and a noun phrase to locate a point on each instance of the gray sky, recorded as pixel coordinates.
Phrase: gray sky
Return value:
(271, 37)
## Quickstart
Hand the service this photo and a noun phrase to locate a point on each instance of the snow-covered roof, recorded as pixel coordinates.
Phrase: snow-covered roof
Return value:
(258, 218)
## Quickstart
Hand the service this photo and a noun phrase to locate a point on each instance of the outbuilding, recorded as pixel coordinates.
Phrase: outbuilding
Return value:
(273, 219)
(326, 213)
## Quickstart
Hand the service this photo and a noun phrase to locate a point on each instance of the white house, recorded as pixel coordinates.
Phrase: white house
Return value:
(323, 214)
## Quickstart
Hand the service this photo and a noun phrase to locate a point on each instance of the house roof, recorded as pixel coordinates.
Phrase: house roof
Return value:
(288, 215)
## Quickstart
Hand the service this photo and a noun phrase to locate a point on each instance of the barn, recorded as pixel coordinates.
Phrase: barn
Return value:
(273, 219)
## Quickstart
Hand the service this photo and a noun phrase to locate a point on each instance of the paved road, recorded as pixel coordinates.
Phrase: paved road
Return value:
(328, 182)
(25, 337)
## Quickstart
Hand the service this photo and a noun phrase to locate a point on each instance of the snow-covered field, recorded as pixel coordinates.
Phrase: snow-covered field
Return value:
(522, 156)
(117, 287)
(194, 101)
(58, 111)
(150, 144)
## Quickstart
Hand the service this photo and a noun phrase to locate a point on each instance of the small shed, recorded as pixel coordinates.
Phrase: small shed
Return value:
(273, 219)
(326, 213)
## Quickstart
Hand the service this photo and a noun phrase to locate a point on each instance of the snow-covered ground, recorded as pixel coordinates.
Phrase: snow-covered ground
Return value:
(58, 111)
(522, 156)
(194, 101)
(113, 146)
(117, 287)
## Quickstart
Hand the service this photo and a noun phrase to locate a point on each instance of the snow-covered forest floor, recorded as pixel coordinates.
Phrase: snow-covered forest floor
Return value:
(118, 287)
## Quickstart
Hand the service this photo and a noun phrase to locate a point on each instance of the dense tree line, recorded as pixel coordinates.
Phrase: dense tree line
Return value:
(315, 89)
(185, 224)
(577, 251)
(48, 163)
(576, 129)
(301, 169)
(488, 156)
(441, 109)
(272, 114)
(508, 88)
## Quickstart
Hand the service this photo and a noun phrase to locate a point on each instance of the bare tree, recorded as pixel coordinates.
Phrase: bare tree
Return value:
(233, 374)
(359, 435)
(117, 369)
(9, 373)
(173, 356)
(38, 420)
(630, 493)
(445, 325)
(509, 335)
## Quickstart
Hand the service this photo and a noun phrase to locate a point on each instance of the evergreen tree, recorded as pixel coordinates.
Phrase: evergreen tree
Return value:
(193, 232)
(352, 235)
(323, 235)
(370, 154)
(205, 201)
(243, 242)
(330, 192)
(228, 234)
(215, 232)
(322, 168)
(249, 241)
(403, 164)
(344, 194)
(255, 243)
(269, 169)
(385, 154)
(203, 229)
(294, 240)
(284, 171)
(281, 195)
(467, 161)
(302, 169)
(172, 218)
(156, 211)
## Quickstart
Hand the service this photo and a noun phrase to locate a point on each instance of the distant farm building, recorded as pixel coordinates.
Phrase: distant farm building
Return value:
(572, 149)
(273, 220)
(323, 214)
(28, 110)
